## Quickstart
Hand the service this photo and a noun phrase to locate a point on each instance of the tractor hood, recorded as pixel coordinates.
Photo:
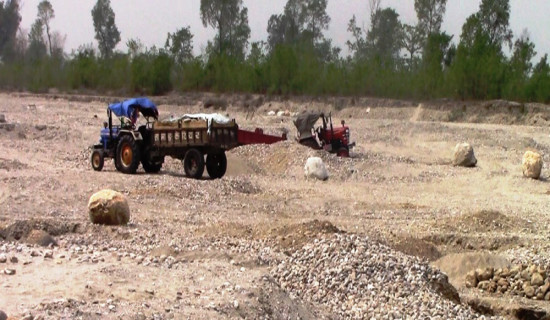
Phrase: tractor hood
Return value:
(126, 108)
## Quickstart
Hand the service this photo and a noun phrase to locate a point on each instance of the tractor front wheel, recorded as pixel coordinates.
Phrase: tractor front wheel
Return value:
(97, 160)
(193, 163)
(127, 154)
(216, 165)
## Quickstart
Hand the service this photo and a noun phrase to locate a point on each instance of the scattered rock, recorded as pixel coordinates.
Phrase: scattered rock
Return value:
(531, 165)
(109, 207)
(3, 258)
(48, 254)
(464, 155)
(2, 118)
(41, 238)
(271, 113)
(315, 168)
(536, 279)
(485, 274)
(14, 259)
(529, 290)
(531, 281)
(9, 272)
(471, 279)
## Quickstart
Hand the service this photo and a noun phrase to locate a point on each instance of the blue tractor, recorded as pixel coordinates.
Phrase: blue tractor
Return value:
(125, 143)
(190, 138)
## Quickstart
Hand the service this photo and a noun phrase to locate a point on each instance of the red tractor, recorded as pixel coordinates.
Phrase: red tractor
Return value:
(326, 136)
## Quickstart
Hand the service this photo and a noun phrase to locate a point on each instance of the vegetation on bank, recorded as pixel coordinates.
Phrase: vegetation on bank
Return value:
(389, 59)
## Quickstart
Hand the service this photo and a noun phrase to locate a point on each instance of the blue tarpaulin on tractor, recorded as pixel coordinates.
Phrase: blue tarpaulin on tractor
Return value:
(127, 107)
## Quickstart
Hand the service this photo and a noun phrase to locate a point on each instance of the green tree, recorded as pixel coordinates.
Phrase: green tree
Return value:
(9, 24)
(135, 47)
(180, 45)
(384, 37)
(520, 67)
(494, 18)
(37, 46)
(430, 15)
(434, 62)
(302, 20)
(479, 68)
(358, 46)
(538, 88)
(45, 15)
(316, 19)
(230, 18)
(412, 41)
(106, 31)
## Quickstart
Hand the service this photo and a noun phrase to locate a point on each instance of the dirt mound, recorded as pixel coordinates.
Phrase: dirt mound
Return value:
(457, 265)
(296, 235)
(20, 230)
(287, 237)
(416, 247)
(454, 242)
(287, 157)
(483, 221)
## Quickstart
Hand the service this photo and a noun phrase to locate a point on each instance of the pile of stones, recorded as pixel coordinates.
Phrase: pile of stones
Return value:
(530, 281)
(354, 277)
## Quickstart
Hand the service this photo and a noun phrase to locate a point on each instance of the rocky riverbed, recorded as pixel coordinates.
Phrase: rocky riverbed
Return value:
(394, 233)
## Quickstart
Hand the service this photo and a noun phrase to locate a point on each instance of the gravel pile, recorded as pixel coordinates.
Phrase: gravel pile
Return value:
(531, 281)
(357, 278)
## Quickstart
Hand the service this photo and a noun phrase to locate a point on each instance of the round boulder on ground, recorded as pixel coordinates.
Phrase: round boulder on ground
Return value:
(531, 164)
(464, 155)
(3, 315)
(315, 168)
(109, 207)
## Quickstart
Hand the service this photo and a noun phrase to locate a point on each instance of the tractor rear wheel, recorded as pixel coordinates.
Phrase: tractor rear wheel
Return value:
(97, 160)
(127, 154)
(193, 163)
(216, 165)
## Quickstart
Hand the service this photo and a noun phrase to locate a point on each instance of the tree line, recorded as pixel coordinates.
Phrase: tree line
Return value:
(387, 58)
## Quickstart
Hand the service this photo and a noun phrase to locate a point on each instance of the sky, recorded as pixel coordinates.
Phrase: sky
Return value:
(151, 20)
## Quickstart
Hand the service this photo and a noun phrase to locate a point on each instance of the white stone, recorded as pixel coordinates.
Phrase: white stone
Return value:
(464, 155)
(315, 168)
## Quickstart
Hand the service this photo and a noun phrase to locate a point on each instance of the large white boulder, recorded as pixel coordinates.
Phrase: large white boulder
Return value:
(109, 207)
(531, 164)
(315, 168)
(464, 155)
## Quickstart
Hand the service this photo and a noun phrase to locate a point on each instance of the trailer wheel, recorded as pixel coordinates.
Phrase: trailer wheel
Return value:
(127, 155)
(97, 160)
(193, 163)
(216, 165)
